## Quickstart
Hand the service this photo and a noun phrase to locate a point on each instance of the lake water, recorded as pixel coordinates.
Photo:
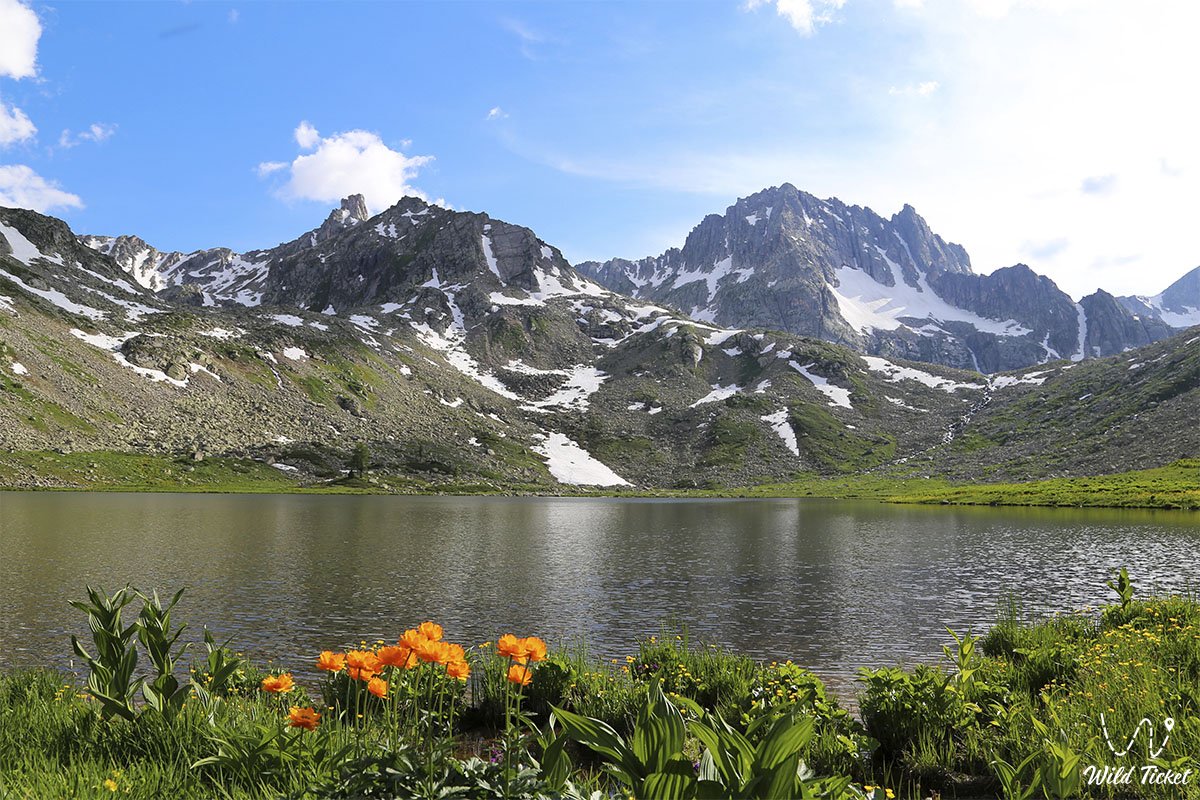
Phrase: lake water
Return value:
(834, 585)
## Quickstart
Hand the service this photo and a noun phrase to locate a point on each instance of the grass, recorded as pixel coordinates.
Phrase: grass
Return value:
(1043, 704)
(1174, 486)
(424, 734)
(1043, 701)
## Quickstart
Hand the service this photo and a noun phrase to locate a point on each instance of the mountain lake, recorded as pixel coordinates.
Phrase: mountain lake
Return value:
(833, 585)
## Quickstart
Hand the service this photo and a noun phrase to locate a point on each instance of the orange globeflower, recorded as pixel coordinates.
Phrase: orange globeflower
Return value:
(511, 646)
(362, 664)
(430, 630)
(331, 661)
(378, 687)
(458, 669)
(455, 652)
(535, 647)
(306, 718)
(278, 684)
(397, 656)
(433, 651)
(413, 637)
(519, 674)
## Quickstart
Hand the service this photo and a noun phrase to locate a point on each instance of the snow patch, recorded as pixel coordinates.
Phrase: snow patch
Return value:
(896, 373)
(836, 394)
(24, 250)
(783, 429)
(55, 297)
(291, 320)
(571, 464)
(294, 353)
(718, 393)
(18, 368)
(866, 304)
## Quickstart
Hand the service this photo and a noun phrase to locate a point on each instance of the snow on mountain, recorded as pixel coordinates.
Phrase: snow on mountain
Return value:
(786, 260)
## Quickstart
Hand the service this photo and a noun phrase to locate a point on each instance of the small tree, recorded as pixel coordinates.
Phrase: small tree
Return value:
(359, 460)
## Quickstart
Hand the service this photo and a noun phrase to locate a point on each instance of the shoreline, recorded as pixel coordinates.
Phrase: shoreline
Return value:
(1173, 487)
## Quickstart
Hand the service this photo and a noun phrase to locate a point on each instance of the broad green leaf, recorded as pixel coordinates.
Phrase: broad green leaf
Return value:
(786, 738)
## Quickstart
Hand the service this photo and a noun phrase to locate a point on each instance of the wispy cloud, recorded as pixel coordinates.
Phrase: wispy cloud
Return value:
(96, 132)
(803, 15)
(922, 89)
(496, 112)
(528, 39)
(1046, 249)
(1098, 184)
(14, 126)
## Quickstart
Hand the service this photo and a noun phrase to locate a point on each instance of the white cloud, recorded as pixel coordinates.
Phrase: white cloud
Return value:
(922, 89)
(496, 112)
(803, 15)
(234, 16)
(21, 187)
(1031, 110)
(19, 34)
(267, 167)
(96, 132)
(306, 135)
(14, 126)
(352, 162)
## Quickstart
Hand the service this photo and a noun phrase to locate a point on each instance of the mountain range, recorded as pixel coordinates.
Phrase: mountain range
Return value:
(786, 260)
(785, 337)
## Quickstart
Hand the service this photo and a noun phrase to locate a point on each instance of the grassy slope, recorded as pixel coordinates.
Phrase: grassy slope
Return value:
(1175, 486)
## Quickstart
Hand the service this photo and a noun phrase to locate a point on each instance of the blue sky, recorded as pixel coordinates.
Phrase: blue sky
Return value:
(1056, 132)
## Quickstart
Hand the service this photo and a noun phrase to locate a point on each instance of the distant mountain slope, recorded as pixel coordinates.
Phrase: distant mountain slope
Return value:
(463, 347)
(787, 260)
(1178, 305)
(1130, 411)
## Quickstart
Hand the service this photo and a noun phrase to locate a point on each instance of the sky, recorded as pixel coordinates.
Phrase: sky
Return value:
(1058, 133)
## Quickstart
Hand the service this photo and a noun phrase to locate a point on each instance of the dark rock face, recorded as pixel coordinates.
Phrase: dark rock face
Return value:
(786, 260)
(1112, 329)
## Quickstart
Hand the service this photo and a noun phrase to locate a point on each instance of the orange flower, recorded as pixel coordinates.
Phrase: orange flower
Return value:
(278, 684)
(362, 665)
(413, 637)
(455, 652)
(458, 669)
(331, 661)
(306, 718)
(535, 647)
(433, 651)
(397, 656)
(378, 687)
(430, 630)
(520, 675)
(511, 646)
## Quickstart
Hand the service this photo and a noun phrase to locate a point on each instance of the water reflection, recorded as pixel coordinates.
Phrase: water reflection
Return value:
(834, 585)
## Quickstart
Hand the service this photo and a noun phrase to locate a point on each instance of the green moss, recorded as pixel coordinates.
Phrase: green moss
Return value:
(835, 448)
(727, 441)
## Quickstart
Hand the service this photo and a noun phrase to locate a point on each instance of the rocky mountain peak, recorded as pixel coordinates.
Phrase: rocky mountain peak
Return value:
(351, 212)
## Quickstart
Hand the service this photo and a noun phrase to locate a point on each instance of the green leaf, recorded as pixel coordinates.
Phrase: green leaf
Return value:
(675, 784)
(657, 740)
(786, 738)
(592, 733)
